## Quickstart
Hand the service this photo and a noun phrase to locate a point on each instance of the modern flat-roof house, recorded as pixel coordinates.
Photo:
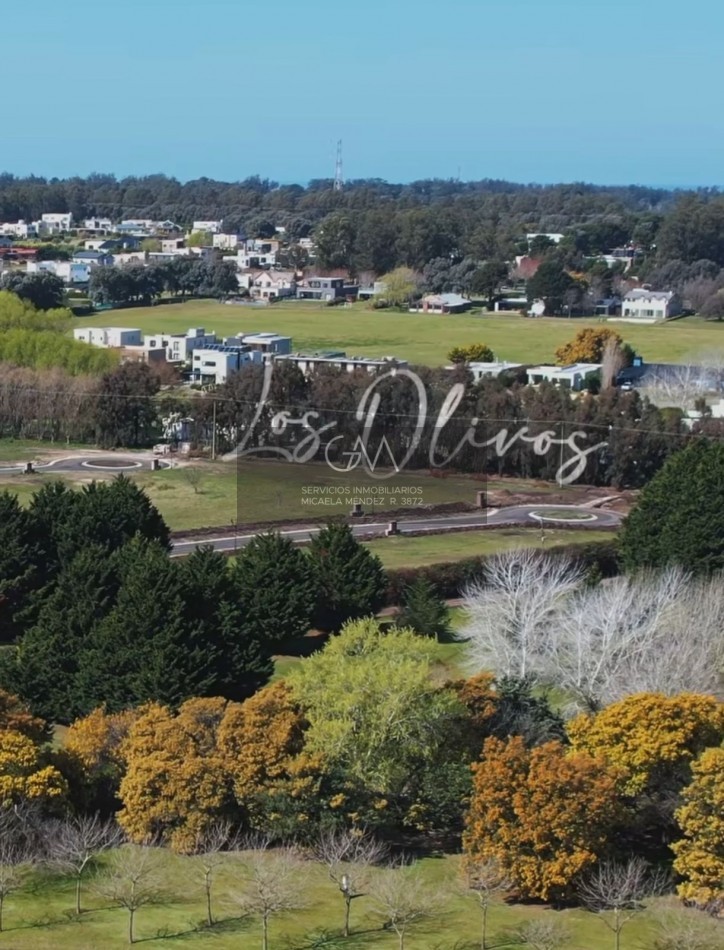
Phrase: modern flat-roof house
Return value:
(180, 346)
(226, 242)
(55, 223)
(650, 305)
(216, 362)
(93, 258)
(269, 344)
(481, 370)
(211, 227)
(441, 303)
(104, 225)
(19, 229)
(309, 362)
(109, 336)
(325, 288)
(573, 377)
(70, 272)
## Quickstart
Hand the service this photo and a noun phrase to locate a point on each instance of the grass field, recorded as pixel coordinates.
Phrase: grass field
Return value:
(40, 917)
(430, 549)
(419, 338)
(254, 491)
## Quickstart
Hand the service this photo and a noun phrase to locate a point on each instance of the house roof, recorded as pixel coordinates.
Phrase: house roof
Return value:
(89, 255)
(640, 294)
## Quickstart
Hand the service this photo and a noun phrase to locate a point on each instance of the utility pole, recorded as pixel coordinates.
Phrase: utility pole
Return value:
(213, 434)
(338, 179)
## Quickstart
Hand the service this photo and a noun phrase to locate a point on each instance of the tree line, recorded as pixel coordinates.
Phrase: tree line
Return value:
(136, 284)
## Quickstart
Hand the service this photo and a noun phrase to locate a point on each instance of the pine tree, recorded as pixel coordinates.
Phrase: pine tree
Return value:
(350, 581)
(423, 610)
(18, 559)
(273, 579)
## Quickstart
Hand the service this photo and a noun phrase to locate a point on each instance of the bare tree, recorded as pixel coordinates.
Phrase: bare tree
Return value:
(212, 848)
(617, 891)
(193, 476)
(75, 842)
(688, 930)
(544, 933)
(403, 899)
(512, 608)
(349, 856)
(486, 880)
(133, 881)
(274, 884)
(14, 861)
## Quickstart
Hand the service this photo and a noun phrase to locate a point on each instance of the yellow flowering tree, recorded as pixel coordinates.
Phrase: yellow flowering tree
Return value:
(24, 772)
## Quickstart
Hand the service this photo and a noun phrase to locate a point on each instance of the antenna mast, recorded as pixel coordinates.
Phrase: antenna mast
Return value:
(338, 180)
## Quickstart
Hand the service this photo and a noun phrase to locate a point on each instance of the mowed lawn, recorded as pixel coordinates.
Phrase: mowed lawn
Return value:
(255, 491)
(419, 338)
(40, 917)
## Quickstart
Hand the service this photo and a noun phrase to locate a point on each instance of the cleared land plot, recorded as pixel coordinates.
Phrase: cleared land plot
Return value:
(419, 338)
(40, 917)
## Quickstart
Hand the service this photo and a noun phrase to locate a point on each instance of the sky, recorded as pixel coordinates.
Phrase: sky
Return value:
(616, 92)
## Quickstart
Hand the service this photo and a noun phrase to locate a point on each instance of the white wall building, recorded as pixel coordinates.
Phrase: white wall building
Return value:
(573, 376)
(650, 305)
(180, 346)
(70, 272)
(104, 225)
(226, 242)
(109, 336)
(55, 223)
(269, 344)
(19, 229)
(212, 227)
(554, 237)
(214, 364)
(308, 363)
(481, 370)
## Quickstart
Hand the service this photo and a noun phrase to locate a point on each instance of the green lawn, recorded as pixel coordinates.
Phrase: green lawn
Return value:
(419, 338)
(40, 917)
(423, 549)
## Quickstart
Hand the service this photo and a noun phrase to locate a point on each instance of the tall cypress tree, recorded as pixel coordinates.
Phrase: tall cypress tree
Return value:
(18, 563)
(350, 582)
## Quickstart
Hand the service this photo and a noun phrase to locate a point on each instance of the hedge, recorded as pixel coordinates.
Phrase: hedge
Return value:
(450, 577)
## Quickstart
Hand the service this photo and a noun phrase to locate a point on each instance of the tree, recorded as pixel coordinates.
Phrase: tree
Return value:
(488, 279)
(43, 290)
(348, 856)
(24, 773)
(210, 853)
(174, 787)
(472, 353)
(124, 410)
(545, 814)
(403, 900)
(17, 563)
(588, 346)
(77, 841)
(485, 879)
(510, 610)
(133, 881)
(700, 852)
(550, 283)
(399, 286)
(543, 934)
(687, 930)
(273, 884)
(14, 860)
(372, 708)
(423, 610)
(273, 580)
(616, 892)
(95, 744)
(350, 581)
(679, 516)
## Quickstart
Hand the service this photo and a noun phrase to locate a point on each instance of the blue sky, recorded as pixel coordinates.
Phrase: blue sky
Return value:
(530, 90)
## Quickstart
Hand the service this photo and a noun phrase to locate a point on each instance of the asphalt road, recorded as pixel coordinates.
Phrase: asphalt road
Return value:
(89, 464)
(549, 515)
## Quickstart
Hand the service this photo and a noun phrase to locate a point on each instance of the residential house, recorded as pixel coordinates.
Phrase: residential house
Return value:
(648, 306)
(506, 304)
(269, 284)
(255, 254)
(55, 223)
(70, 272)
(375, 289)
(109, 337)
(19, 229)
(179, 346)
(93, 258)
(173, 245)
(441, 303)
(573, 377)
(269, 344)
(130, 257)
(103, 225)
(226, 242)
(485, 370)
(608, 307)
(211, 227)
(216, 362)
(554, 238)
(309, 362)
(325, 288)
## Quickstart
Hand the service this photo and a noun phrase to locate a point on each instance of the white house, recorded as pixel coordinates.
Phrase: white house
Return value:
(212, 227)
(104, 225)
(93, 258)
(180, 346)
(268, 285)
(55, 223)
(109, 336)
(554, 237)
(19, 229)
(215, 363)
(308, 363)
(441, 303)
(481, 370)
(226, 242)
(70, 272)
(269, 344)
(573, 376)
(650, 305)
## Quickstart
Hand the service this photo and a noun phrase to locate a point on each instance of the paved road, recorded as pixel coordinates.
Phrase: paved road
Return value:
(520, 515)
(88, 463)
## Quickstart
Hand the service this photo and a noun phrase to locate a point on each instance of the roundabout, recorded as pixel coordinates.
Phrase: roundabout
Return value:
(112, 465)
